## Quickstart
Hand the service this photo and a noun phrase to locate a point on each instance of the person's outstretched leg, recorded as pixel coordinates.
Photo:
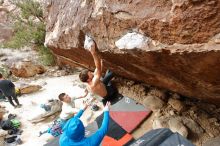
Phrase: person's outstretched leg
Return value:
(10, 101)
(16, 99)
(108, 76)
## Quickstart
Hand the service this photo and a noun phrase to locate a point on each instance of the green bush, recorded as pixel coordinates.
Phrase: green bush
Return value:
(29, 29)
(5, 71)
(46, 56)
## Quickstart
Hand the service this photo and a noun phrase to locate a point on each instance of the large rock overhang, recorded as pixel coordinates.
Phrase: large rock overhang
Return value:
(169, 44)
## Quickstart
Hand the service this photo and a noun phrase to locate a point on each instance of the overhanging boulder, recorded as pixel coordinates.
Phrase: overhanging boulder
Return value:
(169, 44)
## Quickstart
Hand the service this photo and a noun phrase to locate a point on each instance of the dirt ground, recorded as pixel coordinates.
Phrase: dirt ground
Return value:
(54, 86)
(206, 115)
(31, 107)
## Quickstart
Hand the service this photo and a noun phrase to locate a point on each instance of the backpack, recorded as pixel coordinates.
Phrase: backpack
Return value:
(15, 123)
(56, 128)
(6, 125)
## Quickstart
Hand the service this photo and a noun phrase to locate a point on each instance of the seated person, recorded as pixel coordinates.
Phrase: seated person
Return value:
(74, 131)
(95, 84)
(68, 107)
(55, 129)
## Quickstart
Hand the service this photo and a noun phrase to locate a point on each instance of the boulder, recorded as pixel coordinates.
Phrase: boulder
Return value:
(134, 91)
(26, 88)
(157, 114)
(212, 142)
(176, 104)
(168, 44)
(6, 30)
(160, 123)
(183, 125)
(158, 93)
(29, 89)
(176, 125)
(192, 126)
(212, 129)
(26, 69)
(153, 102)
(175, 96)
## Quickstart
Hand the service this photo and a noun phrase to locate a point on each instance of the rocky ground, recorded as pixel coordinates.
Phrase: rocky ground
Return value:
(38, 89)
(196, 120)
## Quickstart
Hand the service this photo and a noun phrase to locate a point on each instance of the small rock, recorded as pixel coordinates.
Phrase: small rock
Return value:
(158, 93)
(158, 114)
(176, 96)
(155, 43)
(160, 123)
(212, 120)
(176, 104)
(212, 142)
(29, 89)
(191, 113)
(26, 69)
(172, 113)
(60, 73)
(217, 124)
(57, 68)
(130, 83)
(192, 125)
(154, 103)
(43, 83)
(4, 59)
(176, 125)
(26, 60)
(195, 115)
(217, 41)
(3, 134)
(2, 54)
(217, 110)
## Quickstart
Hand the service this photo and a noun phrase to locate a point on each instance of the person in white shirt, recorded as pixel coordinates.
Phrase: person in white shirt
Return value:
(68, 107)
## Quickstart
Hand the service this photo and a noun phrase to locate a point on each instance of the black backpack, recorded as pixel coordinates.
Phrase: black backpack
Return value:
(6, 125)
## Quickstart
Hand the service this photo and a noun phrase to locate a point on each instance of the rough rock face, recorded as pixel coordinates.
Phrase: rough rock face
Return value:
(173, 44)
(5, 29)
(26, 69)
(29, 89)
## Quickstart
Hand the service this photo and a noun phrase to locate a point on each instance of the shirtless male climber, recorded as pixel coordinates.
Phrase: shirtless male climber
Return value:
(96, 84)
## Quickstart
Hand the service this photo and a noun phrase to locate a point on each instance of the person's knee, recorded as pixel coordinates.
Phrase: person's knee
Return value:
(113, 90)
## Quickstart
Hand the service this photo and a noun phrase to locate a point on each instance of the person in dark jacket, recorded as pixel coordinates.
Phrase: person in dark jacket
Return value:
(74, 131)
(8, 89)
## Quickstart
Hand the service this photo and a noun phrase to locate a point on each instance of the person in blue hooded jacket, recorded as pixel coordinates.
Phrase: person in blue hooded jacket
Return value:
(74, 131)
